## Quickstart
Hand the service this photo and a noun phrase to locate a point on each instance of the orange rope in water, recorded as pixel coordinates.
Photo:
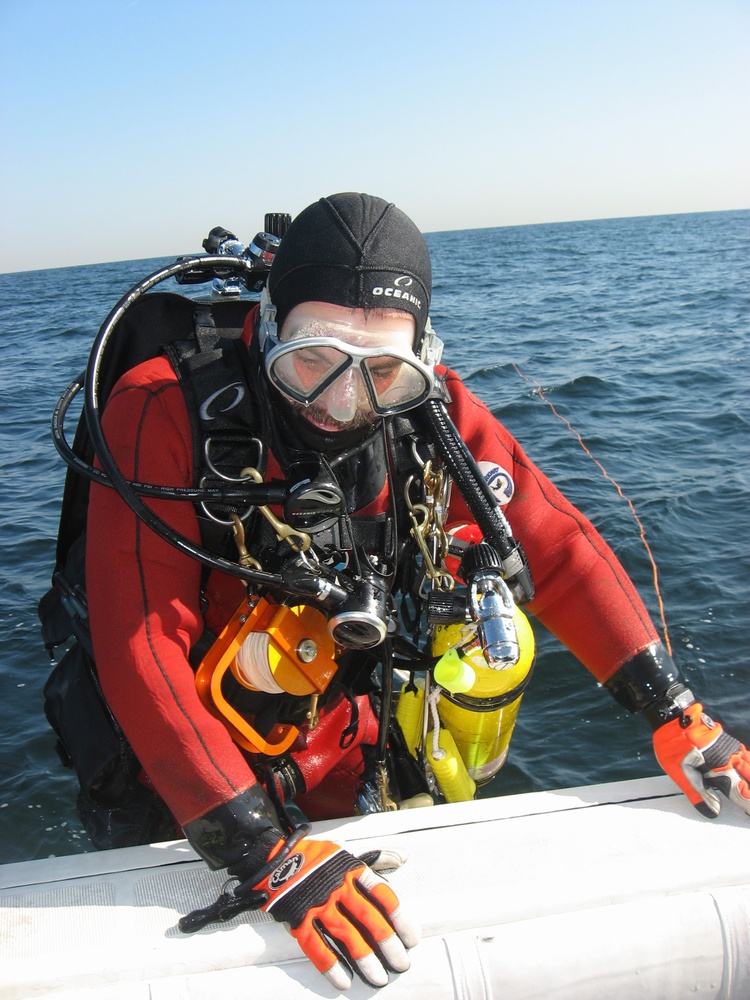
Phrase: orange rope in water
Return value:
(540, 392)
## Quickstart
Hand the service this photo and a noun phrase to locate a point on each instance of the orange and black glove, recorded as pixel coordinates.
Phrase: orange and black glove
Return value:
(703, 759)
(345, 917)
(696, 752)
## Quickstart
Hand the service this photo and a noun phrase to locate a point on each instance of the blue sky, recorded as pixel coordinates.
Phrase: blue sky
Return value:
(128, 128)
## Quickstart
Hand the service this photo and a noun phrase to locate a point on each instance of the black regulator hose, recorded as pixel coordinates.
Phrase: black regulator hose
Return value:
(245, 492)
(479, 498)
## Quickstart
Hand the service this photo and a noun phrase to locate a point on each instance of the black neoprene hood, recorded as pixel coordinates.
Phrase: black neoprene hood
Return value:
(353, 250)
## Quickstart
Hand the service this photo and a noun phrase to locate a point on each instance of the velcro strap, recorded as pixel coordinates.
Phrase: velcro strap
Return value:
(719, 752)
(314, 890)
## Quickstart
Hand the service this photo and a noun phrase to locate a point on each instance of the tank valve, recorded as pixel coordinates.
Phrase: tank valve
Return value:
(491, 605)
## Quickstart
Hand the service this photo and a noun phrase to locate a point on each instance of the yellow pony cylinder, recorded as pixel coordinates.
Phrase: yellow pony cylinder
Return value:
(478, 704)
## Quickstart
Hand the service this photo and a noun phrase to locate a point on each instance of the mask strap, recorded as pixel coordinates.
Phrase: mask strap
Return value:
(267, 327)
(432, 346)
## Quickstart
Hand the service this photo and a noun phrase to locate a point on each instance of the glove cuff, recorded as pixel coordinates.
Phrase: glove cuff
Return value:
(672, 705)
(266, 846)
(651, 685)
(266, 854)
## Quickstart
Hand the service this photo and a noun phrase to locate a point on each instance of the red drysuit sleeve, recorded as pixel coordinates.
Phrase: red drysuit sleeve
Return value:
(583, 594)
(144, 599)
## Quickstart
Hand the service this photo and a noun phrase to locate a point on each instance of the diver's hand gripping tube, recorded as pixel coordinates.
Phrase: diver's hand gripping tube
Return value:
(701, 757)
(344, 916)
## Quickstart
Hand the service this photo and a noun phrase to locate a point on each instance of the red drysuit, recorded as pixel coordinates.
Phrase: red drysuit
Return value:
(145, 607)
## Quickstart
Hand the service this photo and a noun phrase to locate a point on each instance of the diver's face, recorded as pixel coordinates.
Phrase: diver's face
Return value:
(346, 403)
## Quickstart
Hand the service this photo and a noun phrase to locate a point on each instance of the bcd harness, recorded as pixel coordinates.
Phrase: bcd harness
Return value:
(227, 425)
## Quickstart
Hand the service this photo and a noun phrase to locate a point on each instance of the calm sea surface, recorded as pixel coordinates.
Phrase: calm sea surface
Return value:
(637, 332)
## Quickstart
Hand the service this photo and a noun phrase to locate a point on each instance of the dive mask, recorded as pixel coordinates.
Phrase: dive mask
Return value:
(323, 355)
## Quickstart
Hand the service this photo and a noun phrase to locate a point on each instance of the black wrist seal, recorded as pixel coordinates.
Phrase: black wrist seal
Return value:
(651, 685)
(225, 836)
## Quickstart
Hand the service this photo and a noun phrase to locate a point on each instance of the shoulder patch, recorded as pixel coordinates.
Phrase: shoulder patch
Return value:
(499, 481)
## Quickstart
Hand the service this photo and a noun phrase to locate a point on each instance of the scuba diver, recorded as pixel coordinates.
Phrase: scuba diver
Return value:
(390, 524)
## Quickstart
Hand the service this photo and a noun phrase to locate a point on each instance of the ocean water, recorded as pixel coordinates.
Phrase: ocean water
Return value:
(635, 330)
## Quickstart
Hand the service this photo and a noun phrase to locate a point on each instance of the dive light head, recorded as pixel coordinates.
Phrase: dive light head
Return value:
(356, 606)
(362, 620)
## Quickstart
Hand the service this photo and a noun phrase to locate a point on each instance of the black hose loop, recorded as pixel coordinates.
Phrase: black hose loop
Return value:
(111, 469)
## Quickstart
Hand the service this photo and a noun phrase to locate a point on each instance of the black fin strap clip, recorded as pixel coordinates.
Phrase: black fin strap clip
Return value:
(226, 906)
(243, 897)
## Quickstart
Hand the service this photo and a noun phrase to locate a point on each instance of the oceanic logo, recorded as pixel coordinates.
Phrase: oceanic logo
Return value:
(237, 390)
(286, 870)
(399, 290)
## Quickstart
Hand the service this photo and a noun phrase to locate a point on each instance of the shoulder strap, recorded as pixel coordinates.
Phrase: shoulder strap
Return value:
(224, 419)
(144, 331)
(150, 323)
(220, 404)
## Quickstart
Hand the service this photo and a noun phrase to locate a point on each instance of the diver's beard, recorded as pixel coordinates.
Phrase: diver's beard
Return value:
(322, 420)
(296, 429)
